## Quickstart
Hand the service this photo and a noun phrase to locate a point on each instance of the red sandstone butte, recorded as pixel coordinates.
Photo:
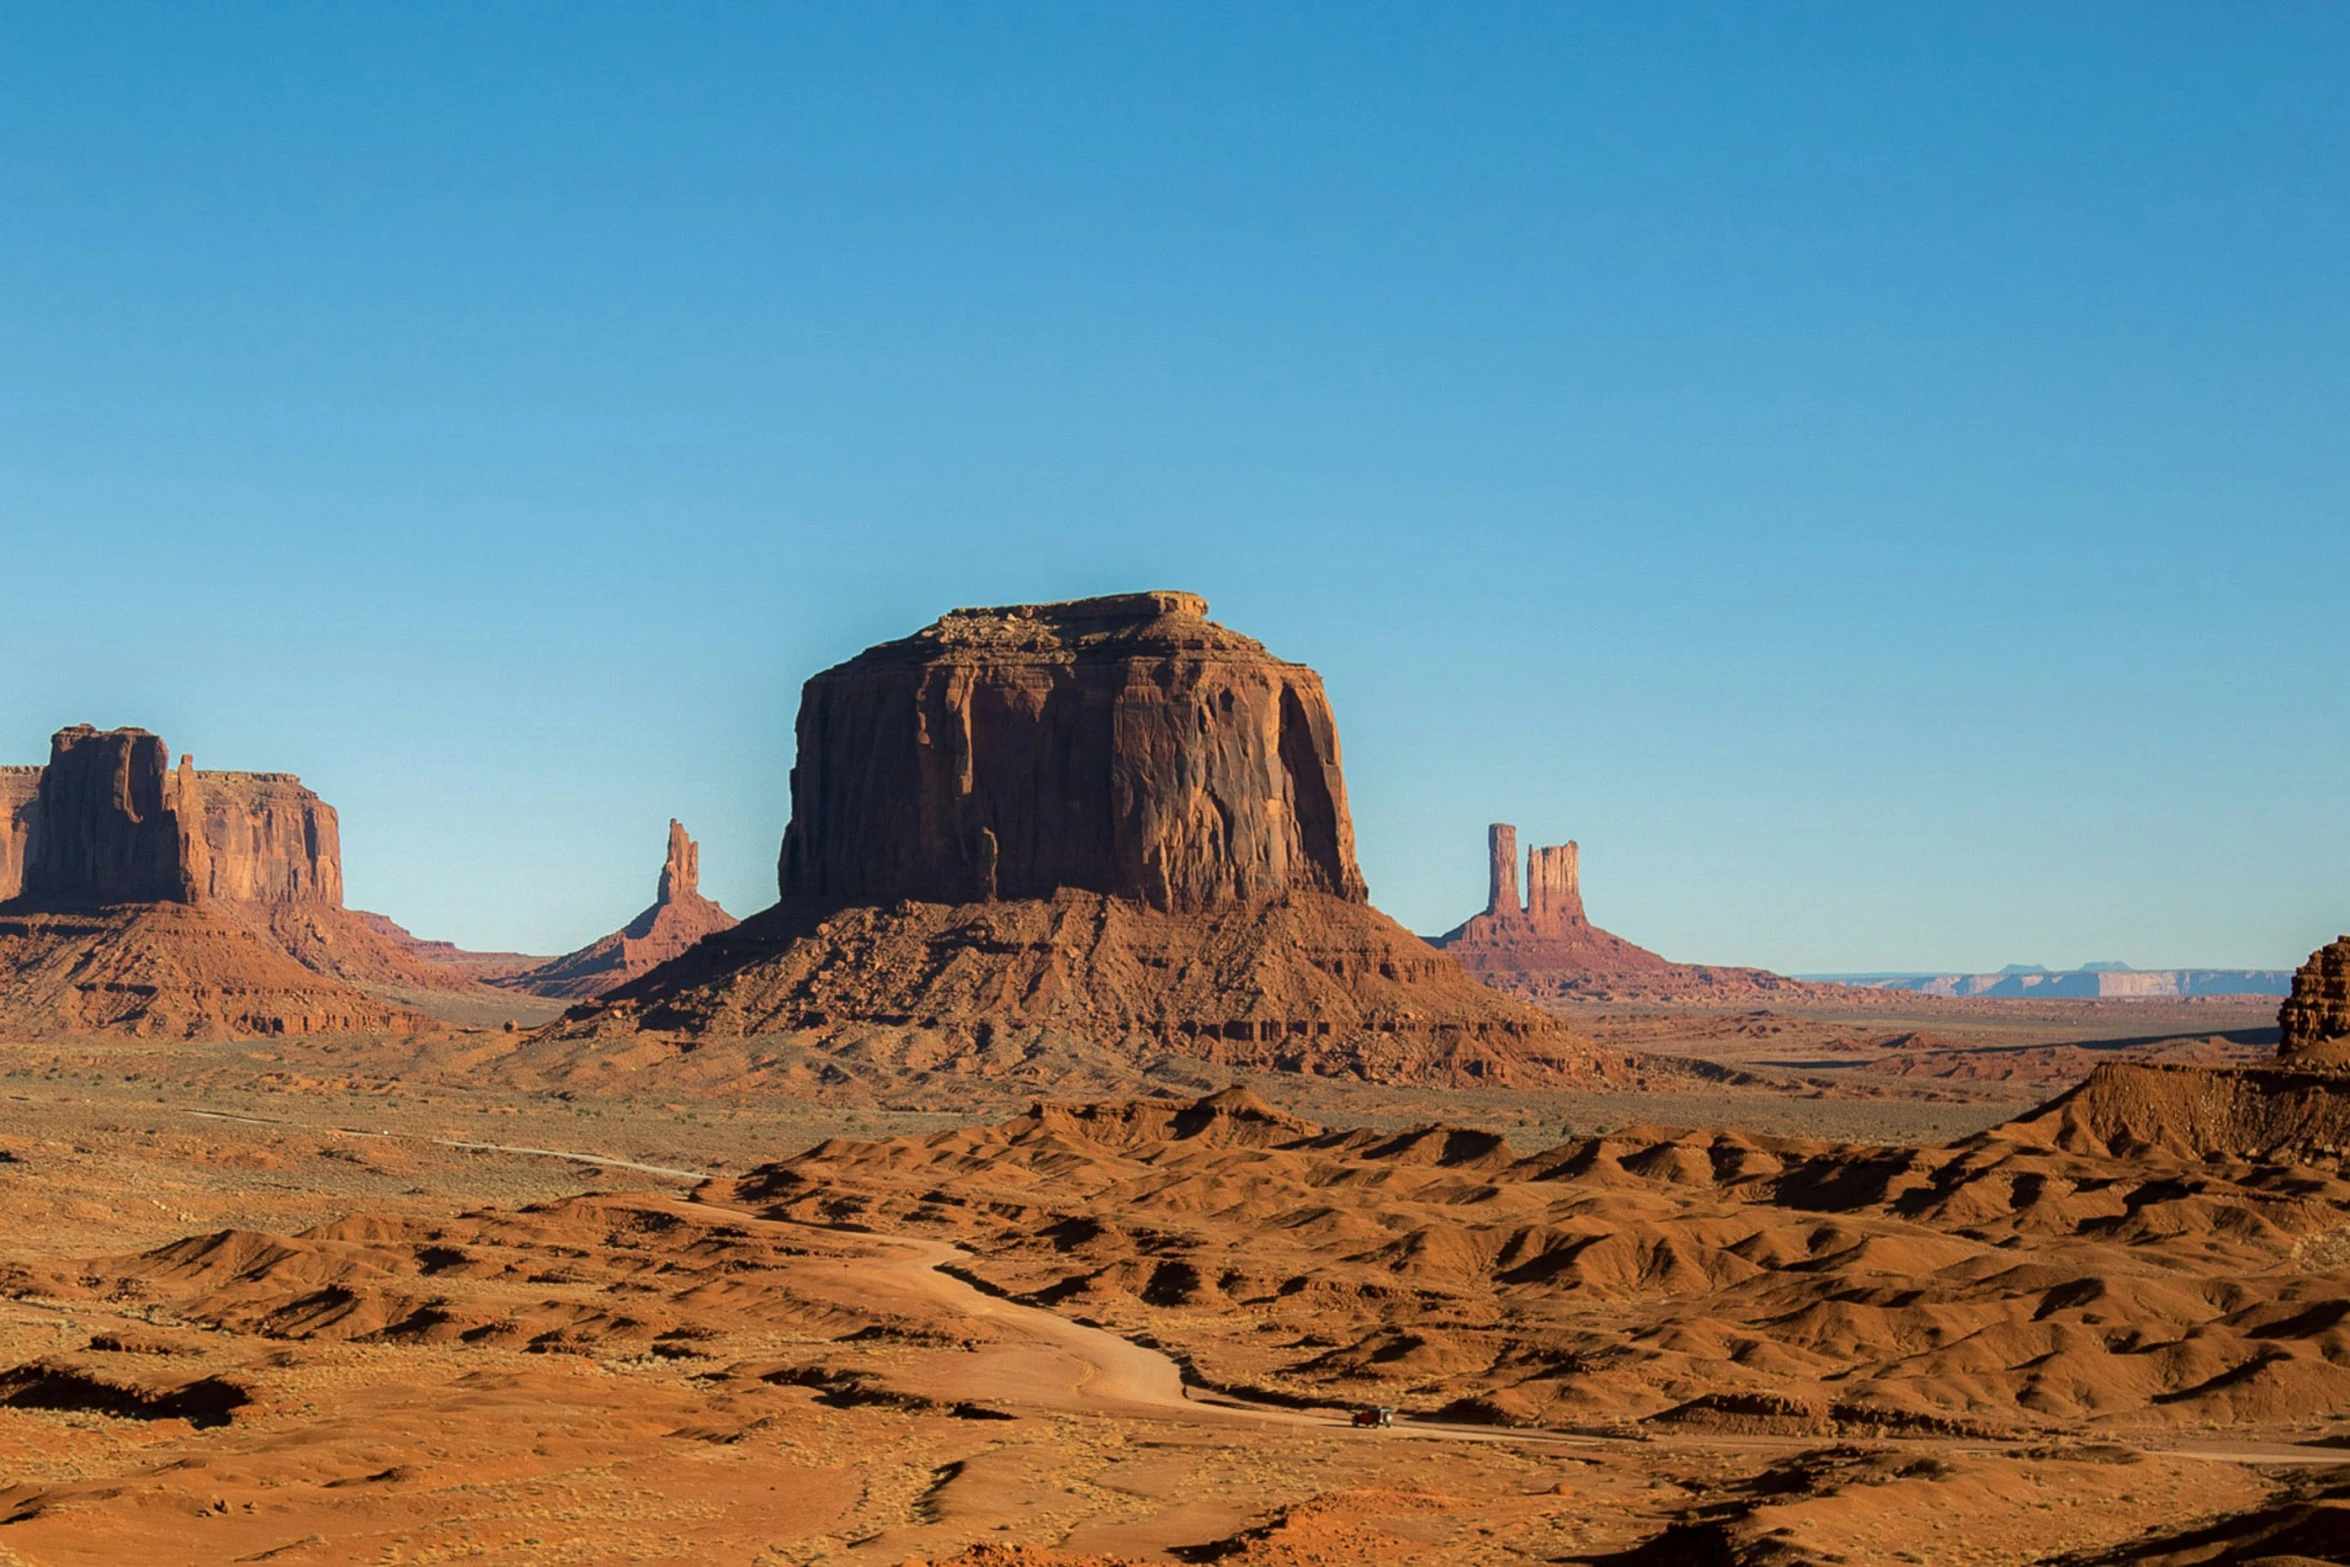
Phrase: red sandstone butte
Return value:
(1124, 745)
(1109, 830)
(258, 848)
(145, 898)
(112, 824)
(679, 917)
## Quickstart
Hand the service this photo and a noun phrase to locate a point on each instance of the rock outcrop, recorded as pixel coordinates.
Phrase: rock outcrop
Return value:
(679, 917)
(268, 840)
(2132, 1109)
(112, 824)
(109, 820)
(109, 831)
(20, 807)
(1127, 745)
(1547, 949)
(2314, 1023)
(1110, 828)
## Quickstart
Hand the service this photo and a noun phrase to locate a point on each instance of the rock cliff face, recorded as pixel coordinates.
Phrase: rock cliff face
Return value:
(1547, 949)
(1108, 833)
(679, 917)
(109, 830)
(269, 840)
(110, 824)
(1127, 746)
(110, 821)
(20, 807)
(2314, 1023)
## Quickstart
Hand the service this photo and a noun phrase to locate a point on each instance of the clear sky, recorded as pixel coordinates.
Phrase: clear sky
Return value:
(1877, 475)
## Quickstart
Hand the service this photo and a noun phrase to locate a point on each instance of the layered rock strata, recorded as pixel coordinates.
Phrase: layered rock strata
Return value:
(112, 824)
(1029, 988)
(109, 834)
(110, 821)
(1127, 746)
(1547, 948)
(1106, 825)
(678, 917)
(168, 970)
(2314, 1023)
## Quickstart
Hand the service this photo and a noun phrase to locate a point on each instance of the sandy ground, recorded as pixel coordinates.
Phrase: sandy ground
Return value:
(293, 1303)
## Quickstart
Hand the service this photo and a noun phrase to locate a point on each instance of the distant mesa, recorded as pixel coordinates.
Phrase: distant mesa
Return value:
(2031, 981)
(1546, 948)
(679, 917)
(142, 897)
(1110, 828)
(2314, 1023)
(151, 899)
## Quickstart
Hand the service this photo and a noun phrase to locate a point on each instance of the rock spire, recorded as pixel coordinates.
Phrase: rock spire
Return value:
(681, 872)
(1547, 949)
(679, 917)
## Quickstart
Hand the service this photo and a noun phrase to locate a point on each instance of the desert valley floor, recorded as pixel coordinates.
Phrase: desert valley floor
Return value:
(466, 1296)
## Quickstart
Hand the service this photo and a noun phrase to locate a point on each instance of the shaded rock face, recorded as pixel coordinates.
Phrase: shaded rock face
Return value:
(1127, 746)
(108, 825)
(2314, 1023)
(110, 821)
(679, 917)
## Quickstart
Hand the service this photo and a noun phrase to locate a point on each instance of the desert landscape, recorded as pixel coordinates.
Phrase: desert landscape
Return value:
(678, 882)
(1073, 1166)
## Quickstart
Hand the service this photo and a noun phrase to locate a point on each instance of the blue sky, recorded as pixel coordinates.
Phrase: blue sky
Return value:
(1875, 475)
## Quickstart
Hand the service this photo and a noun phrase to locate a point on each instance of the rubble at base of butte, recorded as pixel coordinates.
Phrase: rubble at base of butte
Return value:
(679, 917)
(1107, 824)
(1547, 949)
(148, 899)
(2313, 1025)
